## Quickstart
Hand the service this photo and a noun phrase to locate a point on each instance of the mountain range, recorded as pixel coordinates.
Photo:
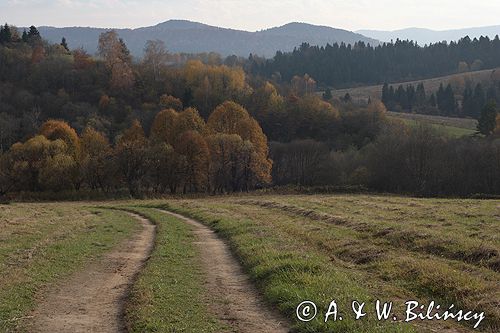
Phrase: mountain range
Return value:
(427, 36)
(193, 37)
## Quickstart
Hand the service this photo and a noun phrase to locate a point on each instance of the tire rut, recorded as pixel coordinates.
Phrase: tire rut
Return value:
(93, 299)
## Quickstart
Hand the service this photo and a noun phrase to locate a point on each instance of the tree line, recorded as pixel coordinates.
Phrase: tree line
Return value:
(472, 101)
(181, 154)
(341, 65)
(410, 160)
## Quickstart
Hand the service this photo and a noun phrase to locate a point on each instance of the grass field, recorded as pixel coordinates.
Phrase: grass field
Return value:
(43, 243)
(363, 247)
(453, 127)
(362, 94)
(294, 248)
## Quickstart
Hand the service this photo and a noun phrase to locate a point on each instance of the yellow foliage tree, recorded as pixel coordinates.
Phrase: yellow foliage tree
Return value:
(188, 120)
(163, 127)
(56, 129)
(96, 155)
(170, 102)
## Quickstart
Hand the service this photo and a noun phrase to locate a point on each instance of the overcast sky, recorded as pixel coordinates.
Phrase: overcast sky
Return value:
(254, 14)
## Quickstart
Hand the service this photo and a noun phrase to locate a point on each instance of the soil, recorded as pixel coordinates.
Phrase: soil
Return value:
(232, 297)
(93, 299)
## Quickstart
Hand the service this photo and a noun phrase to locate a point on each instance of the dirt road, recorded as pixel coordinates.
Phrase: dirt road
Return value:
(234, 299)
(92, 300)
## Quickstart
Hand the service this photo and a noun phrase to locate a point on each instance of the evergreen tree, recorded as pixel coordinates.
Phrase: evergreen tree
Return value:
(33, 35)
(25, 36)
(5, 34)
(420, 97)
(401, 97)
(478, 101)
(450, 103)
(432, 100)
(327, 95)
(347, 98)
(487, 120)
(385, 94)
(410, 96)
(64, 44)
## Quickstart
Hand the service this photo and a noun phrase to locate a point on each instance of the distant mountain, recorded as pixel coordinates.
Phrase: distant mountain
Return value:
(193, 37)
(427, 36)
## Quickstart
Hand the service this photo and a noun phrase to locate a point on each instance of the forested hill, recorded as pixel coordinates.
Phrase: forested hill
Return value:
(341, 65)
(192, 37)
(428, 36)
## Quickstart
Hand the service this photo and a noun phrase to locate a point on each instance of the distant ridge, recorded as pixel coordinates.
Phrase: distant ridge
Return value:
(427, 36)
(193, 37)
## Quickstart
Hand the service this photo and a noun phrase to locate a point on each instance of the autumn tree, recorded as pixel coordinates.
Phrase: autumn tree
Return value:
(303, 85)
(210, 85)
(30, 163)
(8, 179)
(59, 172)
(130, 154)
(57, 129)
(195, 155)
(170, 102)
(496, 132)
(155, 57)
(163, 127)
(226, 162)
(96, 159)
(232, 119)
(117, 59)
(188, 120)
(81, 59)
(163, 169)
(267, 106)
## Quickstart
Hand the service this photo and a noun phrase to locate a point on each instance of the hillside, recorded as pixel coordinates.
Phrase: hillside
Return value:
(192, 37)
(451, 127)
(361, 94)
(426, 36)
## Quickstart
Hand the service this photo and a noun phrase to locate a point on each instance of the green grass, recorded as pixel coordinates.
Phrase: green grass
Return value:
(168, 295)
(43, 243)
(452, 127)
(347, 247)
(294, 248)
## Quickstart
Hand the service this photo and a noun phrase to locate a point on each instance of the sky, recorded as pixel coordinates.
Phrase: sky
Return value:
(254, 15)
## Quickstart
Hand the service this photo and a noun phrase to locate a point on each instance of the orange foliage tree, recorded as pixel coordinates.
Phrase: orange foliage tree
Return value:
(56, 129)
(232, 119)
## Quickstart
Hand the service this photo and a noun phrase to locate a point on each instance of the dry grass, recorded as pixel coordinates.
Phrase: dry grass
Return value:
(362, 94)
(367, 247)
(42, 243)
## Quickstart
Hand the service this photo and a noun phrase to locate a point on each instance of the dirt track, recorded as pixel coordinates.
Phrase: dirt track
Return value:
(233, 298)
(92, 300)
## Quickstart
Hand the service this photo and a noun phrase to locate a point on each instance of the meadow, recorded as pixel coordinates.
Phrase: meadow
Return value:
(452, 127)
(293, 248)
(363, 93)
